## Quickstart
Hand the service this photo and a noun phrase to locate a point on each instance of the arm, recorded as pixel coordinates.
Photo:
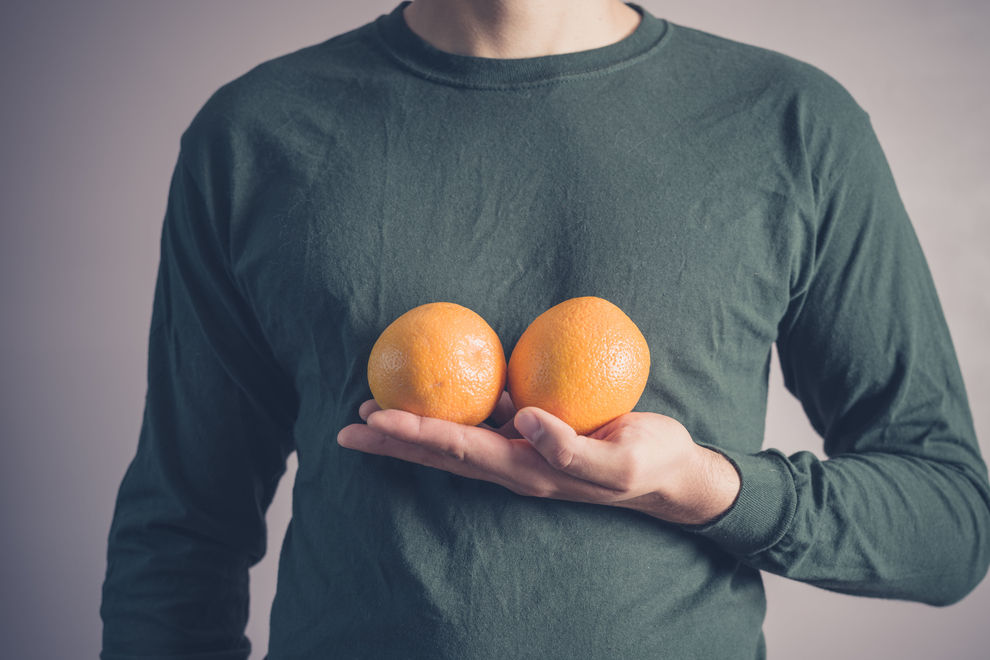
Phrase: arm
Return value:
(901, 509)
(641, 461)
(189, 519)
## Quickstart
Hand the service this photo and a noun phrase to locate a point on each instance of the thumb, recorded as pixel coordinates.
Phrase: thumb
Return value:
(553, 438)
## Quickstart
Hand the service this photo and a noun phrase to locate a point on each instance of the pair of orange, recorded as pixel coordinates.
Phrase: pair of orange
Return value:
(582, 360)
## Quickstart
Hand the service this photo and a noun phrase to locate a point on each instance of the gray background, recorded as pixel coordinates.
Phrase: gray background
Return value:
(94, 97)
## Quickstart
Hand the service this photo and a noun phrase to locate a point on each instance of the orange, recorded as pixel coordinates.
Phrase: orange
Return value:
(438, 360)
(582, 360)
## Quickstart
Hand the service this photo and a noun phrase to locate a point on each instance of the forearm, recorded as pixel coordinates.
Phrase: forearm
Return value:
(705, 491)
(872, 524)
(189, 519)
(168, 593)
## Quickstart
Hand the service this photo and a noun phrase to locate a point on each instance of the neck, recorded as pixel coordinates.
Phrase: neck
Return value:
(520, 28)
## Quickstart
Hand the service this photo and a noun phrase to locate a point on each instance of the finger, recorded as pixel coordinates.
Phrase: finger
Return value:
(362, 437)
(367, 408)
(435, 434)
(440, 444)
(466, 450)
(472, 451)
(590, 459)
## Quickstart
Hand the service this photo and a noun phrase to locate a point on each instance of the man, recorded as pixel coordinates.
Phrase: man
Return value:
(506, 156)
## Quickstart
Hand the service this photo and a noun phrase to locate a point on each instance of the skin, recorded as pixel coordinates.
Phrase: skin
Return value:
(642, 461)
(520, 28)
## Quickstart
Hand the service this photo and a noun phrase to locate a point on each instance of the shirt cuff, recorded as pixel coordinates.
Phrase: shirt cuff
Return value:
(764, 508)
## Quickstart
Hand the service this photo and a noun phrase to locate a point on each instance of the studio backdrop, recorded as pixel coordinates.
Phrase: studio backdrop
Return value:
(95, 96)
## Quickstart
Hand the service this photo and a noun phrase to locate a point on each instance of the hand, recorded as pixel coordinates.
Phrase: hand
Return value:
(642, 461)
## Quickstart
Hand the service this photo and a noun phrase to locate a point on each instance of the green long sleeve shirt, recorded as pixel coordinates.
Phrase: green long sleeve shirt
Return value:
(726, 197)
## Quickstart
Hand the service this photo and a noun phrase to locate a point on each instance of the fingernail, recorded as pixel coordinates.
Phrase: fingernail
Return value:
(527, 424)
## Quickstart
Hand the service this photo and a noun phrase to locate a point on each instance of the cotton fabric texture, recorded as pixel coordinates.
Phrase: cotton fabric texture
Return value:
(724, 196)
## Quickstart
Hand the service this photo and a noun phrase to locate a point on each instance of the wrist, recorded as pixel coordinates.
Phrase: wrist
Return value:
(708, 489)
(717, 487)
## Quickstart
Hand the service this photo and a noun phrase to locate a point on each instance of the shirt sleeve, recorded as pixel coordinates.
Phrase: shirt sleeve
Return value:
(189, 518)
(901, 507)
